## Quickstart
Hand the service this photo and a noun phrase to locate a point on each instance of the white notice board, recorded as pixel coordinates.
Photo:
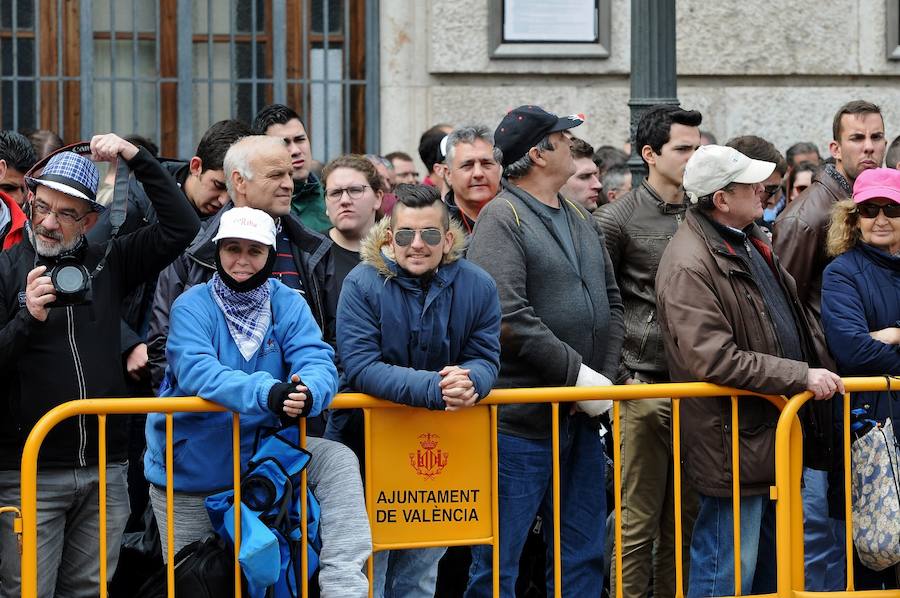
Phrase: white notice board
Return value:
(553, 21)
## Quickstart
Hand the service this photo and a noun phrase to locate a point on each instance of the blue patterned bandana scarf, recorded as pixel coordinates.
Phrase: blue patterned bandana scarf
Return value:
(247, 314)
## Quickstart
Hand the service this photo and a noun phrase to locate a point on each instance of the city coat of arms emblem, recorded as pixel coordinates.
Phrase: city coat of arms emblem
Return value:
(428, 460)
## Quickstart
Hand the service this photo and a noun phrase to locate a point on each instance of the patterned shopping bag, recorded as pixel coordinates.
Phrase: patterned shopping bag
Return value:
(876, 497)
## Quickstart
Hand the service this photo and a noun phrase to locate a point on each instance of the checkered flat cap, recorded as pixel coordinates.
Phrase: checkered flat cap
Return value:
(72, 174)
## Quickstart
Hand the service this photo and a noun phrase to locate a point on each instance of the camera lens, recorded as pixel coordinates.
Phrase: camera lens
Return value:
(69, 279)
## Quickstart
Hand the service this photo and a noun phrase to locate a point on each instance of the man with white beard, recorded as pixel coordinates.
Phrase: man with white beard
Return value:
(60, 299)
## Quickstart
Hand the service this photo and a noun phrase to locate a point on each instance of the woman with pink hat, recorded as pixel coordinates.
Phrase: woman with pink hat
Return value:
(861, 315)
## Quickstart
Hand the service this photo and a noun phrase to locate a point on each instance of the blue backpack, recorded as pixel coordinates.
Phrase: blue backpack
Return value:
(270, 517)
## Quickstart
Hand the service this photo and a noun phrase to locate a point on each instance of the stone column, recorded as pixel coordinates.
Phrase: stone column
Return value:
(653, 78)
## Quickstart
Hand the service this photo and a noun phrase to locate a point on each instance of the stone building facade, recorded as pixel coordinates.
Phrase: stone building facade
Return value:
(772, 68)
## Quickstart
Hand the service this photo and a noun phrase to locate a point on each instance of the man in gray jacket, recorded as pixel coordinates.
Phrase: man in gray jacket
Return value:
(562, 326)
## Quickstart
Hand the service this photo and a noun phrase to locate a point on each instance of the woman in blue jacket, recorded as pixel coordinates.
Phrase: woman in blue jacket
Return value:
(861, 309)
(251, 344)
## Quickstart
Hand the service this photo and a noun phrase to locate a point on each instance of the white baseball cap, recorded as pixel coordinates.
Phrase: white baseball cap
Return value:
(247, 223)
(713, 167)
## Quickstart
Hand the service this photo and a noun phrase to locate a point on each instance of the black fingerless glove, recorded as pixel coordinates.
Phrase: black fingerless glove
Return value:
(278, 394)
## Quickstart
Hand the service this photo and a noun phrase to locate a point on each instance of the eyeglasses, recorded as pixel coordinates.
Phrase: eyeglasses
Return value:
(405, 236)
(353, 191)
(771, 190)
(870, 210)
(66, 217)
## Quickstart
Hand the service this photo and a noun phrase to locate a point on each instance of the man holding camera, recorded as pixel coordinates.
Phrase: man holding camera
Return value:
(60, 299)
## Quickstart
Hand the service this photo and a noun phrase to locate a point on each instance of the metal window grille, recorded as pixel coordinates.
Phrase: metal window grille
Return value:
(167, 69)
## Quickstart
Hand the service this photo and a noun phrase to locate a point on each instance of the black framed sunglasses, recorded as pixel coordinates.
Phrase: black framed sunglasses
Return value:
(771, 190)
(405, 236)
(870, 210)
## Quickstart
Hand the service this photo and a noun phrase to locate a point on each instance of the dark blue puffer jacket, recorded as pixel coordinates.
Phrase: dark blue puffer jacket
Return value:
(861, 294)
(394, 337)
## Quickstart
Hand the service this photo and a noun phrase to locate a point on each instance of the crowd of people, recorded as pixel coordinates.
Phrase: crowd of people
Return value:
(260, 279)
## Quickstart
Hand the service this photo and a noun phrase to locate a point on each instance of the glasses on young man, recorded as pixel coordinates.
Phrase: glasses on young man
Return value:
(64, 217)
(405, 236)
(870, 210)
(353, 191)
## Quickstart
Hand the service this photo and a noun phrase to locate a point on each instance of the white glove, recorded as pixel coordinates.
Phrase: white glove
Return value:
(589, 377)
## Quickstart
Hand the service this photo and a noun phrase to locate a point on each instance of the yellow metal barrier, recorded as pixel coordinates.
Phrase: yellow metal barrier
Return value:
(554, 396)
(789, 509)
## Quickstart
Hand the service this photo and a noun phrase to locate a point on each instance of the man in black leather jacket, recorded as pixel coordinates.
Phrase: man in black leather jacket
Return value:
(637, 229)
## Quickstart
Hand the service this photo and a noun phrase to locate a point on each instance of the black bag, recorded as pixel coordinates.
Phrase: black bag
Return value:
(140, 556)
(203, 569)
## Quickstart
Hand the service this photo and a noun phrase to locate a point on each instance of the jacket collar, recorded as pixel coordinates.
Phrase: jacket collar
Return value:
(880, 257)
(179, 169)
(375, 250)
(832, 186)
(457, 213)
(665, 207)
(309, 189)
(720, 245)
(17, 221)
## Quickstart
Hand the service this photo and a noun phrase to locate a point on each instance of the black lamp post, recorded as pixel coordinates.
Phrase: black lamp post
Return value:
(653, 78)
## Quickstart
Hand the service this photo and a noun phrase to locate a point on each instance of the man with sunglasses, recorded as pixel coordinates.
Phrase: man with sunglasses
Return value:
(419, 325)
(770, 193)
(52, 353)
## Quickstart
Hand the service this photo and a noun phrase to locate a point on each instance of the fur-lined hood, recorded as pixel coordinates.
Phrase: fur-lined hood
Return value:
(375, 250)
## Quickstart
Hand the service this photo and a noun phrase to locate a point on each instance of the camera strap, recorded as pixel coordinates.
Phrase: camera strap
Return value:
(118, 209)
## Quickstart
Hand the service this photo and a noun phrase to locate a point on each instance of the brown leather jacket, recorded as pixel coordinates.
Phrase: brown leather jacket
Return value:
(715, 329)
(637, 229)
(799, 237)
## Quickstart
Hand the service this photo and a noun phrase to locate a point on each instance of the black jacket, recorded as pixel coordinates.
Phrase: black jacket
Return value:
(75, 353)
(314, 262)
(139, 213)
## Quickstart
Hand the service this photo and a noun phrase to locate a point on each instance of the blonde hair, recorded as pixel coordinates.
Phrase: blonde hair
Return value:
(843, 232)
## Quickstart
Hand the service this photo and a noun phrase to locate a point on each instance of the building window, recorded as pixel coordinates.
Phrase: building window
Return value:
(892, 14)
(539, 29)
(240, 56)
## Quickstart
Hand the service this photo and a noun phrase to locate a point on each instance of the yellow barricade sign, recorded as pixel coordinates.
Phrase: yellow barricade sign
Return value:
(429, 475)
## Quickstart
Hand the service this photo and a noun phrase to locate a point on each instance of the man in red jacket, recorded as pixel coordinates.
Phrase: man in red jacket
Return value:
(16, 158)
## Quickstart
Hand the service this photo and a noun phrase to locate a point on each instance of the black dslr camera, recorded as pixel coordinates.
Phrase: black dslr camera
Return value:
(71, 282)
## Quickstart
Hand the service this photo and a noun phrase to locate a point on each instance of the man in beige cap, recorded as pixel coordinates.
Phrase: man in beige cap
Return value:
(729, 314)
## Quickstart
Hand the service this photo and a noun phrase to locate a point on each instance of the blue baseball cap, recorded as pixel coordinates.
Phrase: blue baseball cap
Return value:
(72, 174)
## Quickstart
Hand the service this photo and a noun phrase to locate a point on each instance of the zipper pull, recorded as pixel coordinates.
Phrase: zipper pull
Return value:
(650, 317)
